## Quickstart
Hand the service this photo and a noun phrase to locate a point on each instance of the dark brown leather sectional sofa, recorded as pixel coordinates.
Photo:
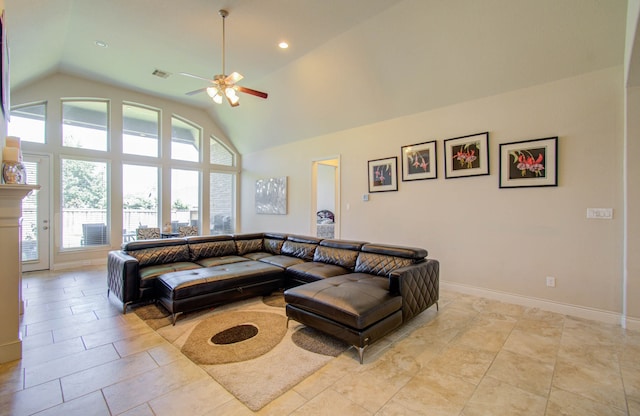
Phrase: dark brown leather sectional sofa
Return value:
(353, 290)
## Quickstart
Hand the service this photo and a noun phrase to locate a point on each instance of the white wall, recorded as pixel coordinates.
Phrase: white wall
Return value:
(502, 240)
(326, 187)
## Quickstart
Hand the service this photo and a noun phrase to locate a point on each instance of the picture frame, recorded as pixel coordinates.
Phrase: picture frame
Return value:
(529, 163)
(383, 174)
(271, 196)
(419, 161)
(466, 156)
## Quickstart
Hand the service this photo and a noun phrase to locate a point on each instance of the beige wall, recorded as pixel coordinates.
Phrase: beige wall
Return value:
(633, 204)
(504, 241)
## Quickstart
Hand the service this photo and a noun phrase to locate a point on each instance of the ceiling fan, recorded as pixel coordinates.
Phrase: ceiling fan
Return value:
(223, 85)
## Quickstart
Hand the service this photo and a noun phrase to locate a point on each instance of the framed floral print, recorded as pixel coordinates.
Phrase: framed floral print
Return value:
(529, 163)
(466, 156)
(419, 161)
(383, 175)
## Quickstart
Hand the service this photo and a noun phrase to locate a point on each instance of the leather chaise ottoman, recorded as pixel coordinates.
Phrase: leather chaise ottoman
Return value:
(357, 308)
(189, 290)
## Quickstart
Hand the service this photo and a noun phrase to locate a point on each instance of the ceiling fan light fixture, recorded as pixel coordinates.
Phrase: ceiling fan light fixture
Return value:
(230, 93)
(212, 91)
(217, 99)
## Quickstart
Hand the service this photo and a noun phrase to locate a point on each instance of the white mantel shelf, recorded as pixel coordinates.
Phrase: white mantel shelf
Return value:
(16, 191)
(11, 197)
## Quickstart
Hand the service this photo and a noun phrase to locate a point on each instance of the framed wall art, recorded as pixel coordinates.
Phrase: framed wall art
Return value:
(383, 175)
(419, 161)
(529, 163)
(466, 156)
(271, 196)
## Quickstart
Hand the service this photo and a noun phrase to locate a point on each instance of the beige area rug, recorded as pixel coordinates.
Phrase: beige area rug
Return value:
(246, 346)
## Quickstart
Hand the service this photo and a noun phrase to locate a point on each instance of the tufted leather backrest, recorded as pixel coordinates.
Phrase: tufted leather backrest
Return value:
(211, 246)
(273, 243)
(169, 250)
(340, 252)
(383, 259)
(249, 243)
(300, 246)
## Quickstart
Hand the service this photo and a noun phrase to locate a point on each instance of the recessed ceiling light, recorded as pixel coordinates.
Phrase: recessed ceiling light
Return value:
(101, 43)
(283, 45)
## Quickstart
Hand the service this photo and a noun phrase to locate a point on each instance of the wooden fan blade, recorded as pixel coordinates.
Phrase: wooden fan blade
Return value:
(186, 74)
(198, 91)
(252, 92)
(233, 78)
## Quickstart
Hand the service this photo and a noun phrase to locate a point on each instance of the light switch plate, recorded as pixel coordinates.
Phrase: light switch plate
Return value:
(600, 213)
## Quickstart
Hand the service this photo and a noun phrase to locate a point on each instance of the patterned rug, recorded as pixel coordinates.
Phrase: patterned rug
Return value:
(246, 346)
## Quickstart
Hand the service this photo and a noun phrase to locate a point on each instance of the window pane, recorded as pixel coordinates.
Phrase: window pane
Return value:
(30, 216)
(84, 203)
(222, 203)
(140, 130)
(185, 141)
(84, 124)
(139, 199)
(28, 123)
(185, 197)
(220, 155)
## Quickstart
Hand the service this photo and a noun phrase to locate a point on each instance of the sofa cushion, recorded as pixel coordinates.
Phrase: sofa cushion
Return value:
(281, 261)
(310, 271)
(217, 261)
(356, 300)
(150, 272)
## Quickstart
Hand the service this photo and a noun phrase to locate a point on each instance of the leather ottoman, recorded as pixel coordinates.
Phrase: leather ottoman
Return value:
(188, 290)
(356, 308)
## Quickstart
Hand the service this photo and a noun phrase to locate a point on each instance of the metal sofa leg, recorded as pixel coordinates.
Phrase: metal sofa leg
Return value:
(124, 307)
(174, 317)
(361, 352)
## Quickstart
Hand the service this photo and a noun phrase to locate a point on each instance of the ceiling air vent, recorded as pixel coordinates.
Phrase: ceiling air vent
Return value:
(161, 74)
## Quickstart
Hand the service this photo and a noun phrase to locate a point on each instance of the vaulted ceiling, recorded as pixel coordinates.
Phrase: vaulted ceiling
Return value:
(350, 63)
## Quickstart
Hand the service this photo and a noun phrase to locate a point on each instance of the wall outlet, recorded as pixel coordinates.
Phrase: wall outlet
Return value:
(551, 281)
(600, 213)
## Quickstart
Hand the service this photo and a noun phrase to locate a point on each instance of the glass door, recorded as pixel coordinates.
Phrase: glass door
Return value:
(36, 226)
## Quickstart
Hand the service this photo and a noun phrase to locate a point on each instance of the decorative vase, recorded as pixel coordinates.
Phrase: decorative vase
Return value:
(14, 173)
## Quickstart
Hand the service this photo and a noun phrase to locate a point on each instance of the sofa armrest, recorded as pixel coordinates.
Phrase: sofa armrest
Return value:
(123, 277)
(418, 285)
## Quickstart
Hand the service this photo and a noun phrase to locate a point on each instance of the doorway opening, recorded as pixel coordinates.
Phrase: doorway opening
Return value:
(325, 199)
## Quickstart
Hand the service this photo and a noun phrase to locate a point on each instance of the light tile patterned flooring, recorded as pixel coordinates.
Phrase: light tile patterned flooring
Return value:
(475, 356)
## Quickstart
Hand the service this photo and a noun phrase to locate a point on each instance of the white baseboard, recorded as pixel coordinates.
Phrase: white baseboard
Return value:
(80, 264)
(557, 307)
(631, 323)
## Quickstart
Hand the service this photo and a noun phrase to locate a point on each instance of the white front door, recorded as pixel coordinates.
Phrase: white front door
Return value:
(36, 221)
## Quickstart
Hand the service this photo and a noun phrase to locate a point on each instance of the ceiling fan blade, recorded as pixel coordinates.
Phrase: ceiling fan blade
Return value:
(233, 78)
(252, 92)
(198, 91)
(186, 74)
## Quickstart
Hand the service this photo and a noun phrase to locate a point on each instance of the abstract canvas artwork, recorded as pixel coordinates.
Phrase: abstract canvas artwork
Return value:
(271, 196)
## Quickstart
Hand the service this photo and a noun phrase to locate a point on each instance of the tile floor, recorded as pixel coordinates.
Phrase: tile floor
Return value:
(475, 356)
